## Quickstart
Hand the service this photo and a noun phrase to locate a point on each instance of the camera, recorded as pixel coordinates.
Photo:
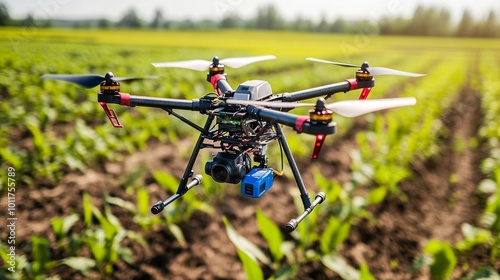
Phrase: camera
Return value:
(228, 167)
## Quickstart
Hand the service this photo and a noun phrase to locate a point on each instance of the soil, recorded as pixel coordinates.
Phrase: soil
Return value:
(439, 198)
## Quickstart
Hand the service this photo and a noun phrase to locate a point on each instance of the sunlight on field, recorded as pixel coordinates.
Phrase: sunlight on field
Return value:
(281, 44)
(441, 152)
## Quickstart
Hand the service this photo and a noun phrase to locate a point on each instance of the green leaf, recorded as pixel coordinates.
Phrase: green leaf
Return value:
(120, 202)
(365, 273)
(246, 246)
(143, 201)
(41, 145)
(327, 238)
(4, 251)
(82, 264)
(331, 188)
(95, 241)
(136, 236)
(62, 226)
(167, 181)
(340, 266)
(247, 253)
(484, 273)
(73, 162)
(11, 157)
(41, 255)
(377, 195)
(74, 243)
(444, 259)
(271, 233)
(473, 235)
(125, 254)
(334, 234)
(177, 233)
(57, 225)
(421, 262)
(250, 265)
(110, 228)
(87, 210)
(488, 186)
(284, 273)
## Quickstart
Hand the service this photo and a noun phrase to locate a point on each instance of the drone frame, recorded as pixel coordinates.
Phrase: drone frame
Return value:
(205, 104)
(270, 111)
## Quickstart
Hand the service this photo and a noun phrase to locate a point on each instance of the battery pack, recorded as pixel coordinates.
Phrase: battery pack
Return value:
(257, 182)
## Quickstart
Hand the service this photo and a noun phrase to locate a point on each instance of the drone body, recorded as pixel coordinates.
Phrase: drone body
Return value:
(241, 123)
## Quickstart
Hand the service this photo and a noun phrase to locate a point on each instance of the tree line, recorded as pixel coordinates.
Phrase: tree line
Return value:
(425, 21)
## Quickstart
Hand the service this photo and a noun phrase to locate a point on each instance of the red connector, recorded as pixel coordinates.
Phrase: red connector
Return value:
(320, 138)
(113, 118)
(364, 93)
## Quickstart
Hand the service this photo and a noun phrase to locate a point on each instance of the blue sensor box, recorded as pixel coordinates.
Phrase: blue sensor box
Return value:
(257, 182)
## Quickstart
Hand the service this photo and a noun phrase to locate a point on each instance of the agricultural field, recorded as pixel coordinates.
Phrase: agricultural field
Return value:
(412, 193)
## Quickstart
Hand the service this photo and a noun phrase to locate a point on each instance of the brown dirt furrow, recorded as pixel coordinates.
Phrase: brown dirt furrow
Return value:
(438, 200)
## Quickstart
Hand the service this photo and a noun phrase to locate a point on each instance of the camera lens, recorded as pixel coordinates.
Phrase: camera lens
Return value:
(220, 173)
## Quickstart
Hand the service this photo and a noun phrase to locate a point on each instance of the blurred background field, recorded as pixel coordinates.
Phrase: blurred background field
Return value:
(411, 192)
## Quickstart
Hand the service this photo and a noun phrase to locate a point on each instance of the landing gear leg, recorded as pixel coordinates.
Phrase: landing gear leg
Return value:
(304, 196)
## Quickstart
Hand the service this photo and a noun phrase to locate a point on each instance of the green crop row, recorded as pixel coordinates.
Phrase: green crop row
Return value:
(104, 241)
(489, 88)
(487, 234)
(50, 128)
(407, 134)
(103, 236)
(442, 256)
(398, 138)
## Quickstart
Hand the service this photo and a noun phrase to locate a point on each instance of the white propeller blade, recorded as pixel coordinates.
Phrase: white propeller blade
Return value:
(374, 71)
(349, 108)
(202, 65)
(197, 64)
(238, 62)
(331, 62)
(377, 71)
(354, 108)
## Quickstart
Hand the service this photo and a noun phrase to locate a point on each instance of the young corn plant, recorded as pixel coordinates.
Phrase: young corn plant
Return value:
(343, 209)
(181, 210)
(288, 256)
(251, 256)
(42, 259)
(400, 136)
(105, 239)
(491, 216)
(142, 215)
(40, 262)
(440, 257)
(62, 226)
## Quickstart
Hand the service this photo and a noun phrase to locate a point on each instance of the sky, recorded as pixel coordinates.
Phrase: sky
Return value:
(215, 9)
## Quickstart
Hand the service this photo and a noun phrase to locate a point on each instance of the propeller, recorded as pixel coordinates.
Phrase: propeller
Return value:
(91, 80)
(202, 65)
(374, 71)
(354, 108)
(348, 108)
(322, 112)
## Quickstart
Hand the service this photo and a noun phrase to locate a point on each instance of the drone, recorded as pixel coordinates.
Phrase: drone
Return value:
(242, 122)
